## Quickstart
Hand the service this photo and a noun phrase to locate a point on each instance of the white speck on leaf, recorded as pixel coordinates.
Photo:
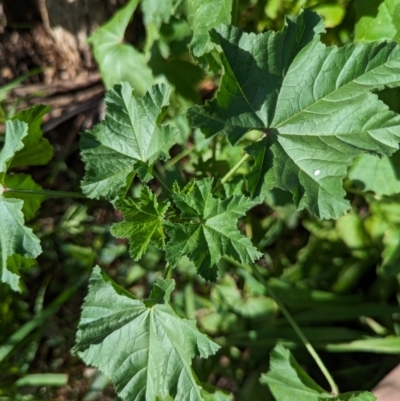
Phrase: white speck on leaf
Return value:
(316, 172)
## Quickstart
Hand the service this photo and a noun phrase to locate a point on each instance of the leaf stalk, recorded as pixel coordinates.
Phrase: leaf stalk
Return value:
(299, 332)
(232, 171)
(45, 192)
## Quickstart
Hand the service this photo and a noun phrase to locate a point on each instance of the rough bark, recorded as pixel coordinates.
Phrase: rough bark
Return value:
(50, 34)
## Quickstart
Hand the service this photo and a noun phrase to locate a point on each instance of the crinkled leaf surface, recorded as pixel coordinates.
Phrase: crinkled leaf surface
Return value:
(288, 381)
(143, 223)
(209, 230)
(145, 347)
(15, 237)
(313, 102)
(37, 150)
(129, 139)
(119, 61)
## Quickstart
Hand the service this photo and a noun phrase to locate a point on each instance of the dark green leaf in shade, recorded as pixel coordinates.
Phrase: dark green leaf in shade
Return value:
(143, 223)
(129, 138)
(314, 104)
(119, 61)
(37, 150)
(209, 229)
(262, 163)
(288, 381)
(15, 237)
(24, 181)
(145, 347)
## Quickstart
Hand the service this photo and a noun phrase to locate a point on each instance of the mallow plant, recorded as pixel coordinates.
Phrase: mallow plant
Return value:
(311, 110)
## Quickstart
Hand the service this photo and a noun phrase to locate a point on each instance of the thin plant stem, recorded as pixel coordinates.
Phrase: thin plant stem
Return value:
(214, 148)
(178, 158)
(130, 180)
(299, 332)
(161, 180)
(45, 192)
(232, 171)
(235, 12)
(167, 271)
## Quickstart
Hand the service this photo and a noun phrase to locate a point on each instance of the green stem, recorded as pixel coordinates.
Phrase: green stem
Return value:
(235, 12)
(130, 180)
(161, 180)
(299, 332)
(45, 192)
(177, 158)
(232, 171)
(167, 271)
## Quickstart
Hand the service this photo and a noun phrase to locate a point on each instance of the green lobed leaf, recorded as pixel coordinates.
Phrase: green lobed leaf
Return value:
(288, 381)
(380, 175)
(155, 13)
(305, 97)
(31, 203)
(377, 20)
(254, 70)
(202, 17)
(16, 131)
(128, 140)
(37, 150)
(119, 61)
(143, 223)
(209, 229)
(145, 349)
(15, 238)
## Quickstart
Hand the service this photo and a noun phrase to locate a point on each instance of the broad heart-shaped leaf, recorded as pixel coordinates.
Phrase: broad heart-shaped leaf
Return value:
(129, 139)
(145, 347)
(377, 20)
(119, 61)
(313, 102)
(209, 230)
(288, 381)
(143, 223)
(15, 237)
(37, 150)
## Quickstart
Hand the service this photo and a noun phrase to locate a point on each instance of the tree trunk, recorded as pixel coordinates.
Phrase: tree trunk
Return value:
(51, 34)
